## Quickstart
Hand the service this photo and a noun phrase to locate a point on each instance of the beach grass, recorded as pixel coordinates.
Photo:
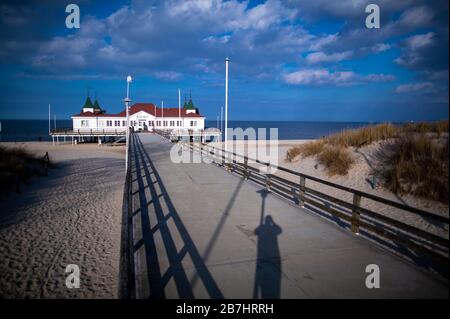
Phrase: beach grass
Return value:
(416, 164)
(18, 165)
(414, 159)
(337, 160)
(363, 136)
(305, 150)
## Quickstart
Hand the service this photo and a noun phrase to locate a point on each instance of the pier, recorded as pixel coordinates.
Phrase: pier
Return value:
(83, 135)
(77, 135)
(199, 231)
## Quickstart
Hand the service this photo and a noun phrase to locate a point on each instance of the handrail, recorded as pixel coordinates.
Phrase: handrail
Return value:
(385, 226)
(415, 210)
(390, 229)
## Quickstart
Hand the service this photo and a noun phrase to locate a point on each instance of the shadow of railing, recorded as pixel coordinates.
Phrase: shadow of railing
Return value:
(146, 172)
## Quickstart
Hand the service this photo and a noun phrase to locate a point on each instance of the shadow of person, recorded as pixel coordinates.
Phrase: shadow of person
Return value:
(268, 262)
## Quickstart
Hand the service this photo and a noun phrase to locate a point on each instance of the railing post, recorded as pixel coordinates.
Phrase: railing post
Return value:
(301, 191)
(246, 168)
(355, 214)
(268, 182)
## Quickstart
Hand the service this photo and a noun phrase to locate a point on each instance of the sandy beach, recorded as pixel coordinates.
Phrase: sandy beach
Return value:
(72, 216)
(357, 178)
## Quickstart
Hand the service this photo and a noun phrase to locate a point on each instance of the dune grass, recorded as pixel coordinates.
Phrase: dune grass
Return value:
(416, 164)
(438, 127)
(305, 150)
(336, 160)
(363, 136)
(18, 165)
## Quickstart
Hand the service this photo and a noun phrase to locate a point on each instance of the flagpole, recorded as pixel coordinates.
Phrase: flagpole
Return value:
(49, 119)
(221, 121)
(226, 102)
(179, 112)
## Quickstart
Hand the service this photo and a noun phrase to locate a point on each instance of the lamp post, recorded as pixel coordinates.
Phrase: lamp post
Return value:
(226, 103)
(127, 103)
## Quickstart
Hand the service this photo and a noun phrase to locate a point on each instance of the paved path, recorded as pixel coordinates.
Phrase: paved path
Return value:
(201, 232)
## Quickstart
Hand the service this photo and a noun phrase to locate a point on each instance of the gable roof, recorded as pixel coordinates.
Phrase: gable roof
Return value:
(149, 108)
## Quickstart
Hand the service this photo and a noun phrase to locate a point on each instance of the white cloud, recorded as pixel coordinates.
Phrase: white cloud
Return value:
(416, 17)
(419, 41)
(408, 88)
(178, 37)
(318, 57)
(325, 77)
(380, 47)
(169, 76)
(413, 49)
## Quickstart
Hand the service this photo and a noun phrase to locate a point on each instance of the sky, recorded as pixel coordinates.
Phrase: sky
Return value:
(289, 60)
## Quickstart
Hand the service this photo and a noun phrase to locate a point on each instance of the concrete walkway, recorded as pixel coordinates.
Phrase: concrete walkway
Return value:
(201, 232)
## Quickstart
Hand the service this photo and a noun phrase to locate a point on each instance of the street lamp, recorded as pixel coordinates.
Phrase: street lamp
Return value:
(127, 103)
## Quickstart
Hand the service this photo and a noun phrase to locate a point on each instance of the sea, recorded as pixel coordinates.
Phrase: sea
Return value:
(37, 130)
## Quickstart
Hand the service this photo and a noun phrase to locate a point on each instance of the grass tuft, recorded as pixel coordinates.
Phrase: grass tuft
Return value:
(363, 136)
(16, 166)
(337, 160)
(418, 165)
(305, 150)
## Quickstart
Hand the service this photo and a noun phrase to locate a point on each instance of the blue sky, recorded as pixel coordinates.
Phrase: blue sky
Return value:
(290, 60)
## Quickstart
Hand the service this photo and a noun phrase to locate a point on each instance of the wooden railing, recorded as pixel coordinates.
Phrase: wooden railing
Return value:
(69, 131)
(358, 217)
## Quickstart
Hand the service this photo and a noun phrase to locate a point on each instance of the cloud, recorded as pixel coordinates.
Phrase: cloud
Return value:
(380, 47)
(419, 41)
(414, 50)
(416, 17)
(169, 76)
(179, 37)
(318, 57)
(170, 39)
(408, 88)
(319, 77)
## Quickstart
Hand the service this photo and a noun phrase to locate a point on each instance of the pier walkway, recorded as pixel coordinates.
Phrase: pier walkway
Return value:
(201, 232)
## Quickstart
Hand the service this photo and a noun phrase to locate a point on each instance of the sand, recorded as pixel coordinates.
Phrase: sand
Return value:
(357, 178)
(72, 216)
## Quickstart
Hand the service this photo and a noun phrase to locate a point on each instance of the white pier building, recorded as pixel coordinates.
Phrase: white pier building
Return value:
(94, 124)
(142, 117)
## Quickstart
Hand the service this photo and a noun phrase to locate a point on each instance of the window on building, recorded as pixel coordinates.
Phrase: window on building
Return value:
(158, 123)
(108, 123)
(124, 123)
(193, 123)
(116, 123)
(84, 123)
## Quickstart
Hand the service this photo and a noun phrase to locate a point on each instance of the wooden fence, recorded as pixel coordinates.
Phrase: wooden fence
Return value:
(358, 217)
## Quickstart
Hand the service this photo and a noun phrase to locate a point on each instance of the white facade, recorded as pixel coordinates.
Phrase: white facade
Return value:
(138, 121)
